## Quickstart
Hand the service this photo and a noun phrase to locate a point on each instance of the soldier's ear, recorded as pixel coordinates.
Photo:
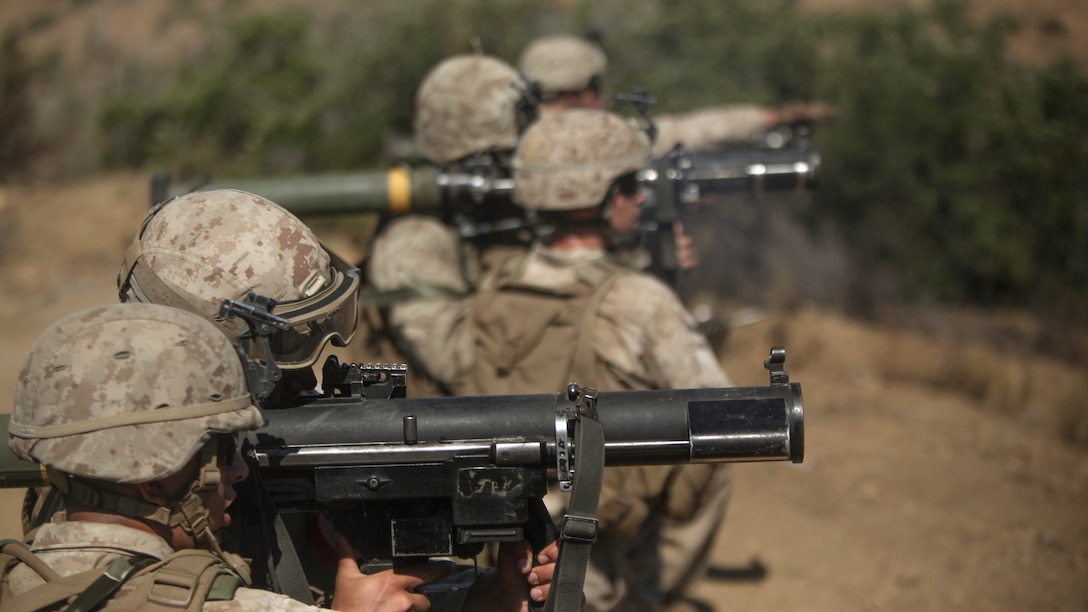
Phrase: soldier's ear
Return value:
(153, 492)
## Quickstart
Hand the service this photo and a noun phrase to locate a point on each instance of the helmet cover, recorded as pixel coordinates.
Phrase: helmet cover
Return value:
(128, 393)
(562, 63)
(569, 160)
(468, 104)
(200, 248)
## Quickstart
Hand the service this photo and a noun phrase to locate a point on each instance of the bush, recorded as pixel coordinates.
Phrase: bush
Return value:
(289, 92)
(252, 107)
(953, 167)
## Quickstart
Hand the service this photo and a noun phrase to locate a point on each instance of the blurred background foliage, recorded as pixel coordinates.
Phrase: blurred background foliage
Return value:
(953, 170)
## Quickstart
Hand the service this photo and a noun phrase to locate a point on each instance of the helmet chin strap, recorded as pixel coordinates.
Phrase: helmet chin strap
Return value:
(190, 511)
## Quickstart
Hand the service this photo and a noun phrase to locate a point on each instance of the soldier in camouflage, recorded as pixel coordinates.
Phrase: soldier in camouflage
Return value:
(566, 310)
(137, 411)
(198, 249)
(469, 109)
(570, 71)
(195, 250)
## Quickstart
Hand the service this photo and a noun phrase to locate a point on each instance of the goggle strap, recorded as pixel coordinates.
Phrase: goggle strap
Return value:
(151, 289)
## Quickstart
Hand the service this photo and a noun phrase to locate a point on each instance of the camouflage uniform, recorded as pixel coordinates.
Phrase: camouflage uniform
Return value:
(466, 106)
(711, 128)
(196, 250)
(528, 318)
(643, 338)
(124, 394)
(570, 64)
(71, 548)
(133, 393)
(425, 254)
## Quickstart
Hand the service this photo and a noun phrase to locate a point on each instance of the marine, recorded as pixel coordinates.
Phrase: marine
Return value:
(567, 310)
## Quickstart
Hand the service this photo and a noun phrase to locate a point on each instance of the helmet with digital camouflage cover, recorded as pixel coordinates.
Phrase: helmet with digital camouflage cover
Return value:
(128, 393)
(199, 249)
(470, 104)
(570, 160)
(132, 393)
(563, 63)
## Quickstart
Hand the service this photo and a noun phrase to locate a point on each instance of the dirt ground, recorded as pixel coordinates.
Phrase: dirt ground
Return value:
(937, 475)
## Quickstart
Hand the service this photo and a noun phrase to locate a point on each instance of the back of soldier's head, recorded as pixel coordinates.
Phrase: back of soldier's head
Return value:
(128, 393)
(469, 104)
(199, 249)
(570, 160)
(563, 64)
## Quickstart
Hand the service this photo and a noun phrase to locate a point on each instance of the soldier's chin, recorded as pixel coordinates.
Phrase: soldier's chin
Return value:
(226, 519)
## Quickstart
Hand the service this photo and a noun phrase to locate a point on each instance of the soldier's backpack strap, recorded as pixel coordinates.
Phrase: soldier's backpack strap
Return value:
(183, 581)
(118, 571)
(14, 550)
(601, 275)
(86, 590)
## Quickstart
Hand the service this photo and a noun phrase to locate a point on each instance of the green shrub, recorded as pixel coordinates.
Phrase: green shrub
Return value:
(953, 167)
(252, 106)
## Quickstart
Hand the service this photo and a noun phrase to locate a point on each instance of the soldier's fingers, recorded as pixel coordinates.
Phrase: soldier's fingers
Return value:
(349, 562)
(417, 574)
(548, 554)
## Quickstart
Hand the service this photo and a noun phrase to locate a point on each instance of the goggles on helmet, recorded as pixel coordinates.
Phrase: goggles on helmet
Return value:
(329, 316)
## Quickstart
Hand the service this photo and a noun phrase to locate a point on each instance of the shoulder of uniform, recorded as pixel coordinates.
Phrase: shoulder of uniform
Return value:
(642, 296)
(647, 283)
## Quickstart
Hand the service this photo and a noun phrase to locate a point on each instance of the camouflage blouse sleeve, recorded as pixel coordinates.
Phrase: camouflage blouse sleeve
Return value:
(644, 333)
(710, 128)
(424, 255)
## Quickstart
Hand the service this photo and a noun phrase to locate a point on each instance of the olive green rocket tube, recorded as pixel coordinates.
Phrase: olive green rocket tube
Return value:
(397, 191)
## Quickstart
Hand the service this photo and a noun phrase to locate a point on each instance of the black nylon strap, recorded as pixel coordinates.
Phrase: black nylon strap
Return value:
(286, 571)
(289, 571)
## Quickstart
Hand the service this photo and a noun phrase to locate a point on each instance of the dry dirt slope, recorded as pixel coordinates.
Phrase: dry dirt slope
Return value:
(934, 479)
